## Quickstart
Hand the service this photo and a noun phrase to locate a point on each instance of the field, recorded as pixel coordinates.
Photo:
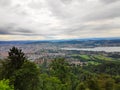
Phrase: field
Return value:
(94, 59)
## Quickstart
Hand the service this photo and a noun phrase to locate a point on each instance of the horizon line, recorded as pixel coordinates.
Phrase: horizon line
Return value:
(68, 39)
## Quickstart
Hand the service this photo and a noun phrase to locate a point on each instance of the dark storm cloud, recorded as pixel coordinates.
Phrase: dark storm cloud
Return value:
(21, 30)
(12, 31)
(4, 31)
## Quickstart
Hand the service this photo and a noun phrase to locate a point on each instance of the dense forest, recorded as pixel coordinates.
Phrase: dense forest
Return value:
(18, 73)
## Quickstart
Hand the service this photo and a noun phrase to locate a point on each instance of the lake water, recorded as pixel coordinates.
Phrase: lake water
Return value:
(106, 49)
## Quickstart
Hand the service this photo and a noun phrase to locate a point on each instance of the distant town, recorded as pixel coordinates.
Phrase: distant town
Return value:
(45, 51)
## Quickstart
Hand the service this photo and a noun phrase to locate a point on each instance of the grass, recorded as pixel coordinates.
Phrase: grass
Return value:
(92, 57)
(93, 63)
(101, 57)
(85, 57)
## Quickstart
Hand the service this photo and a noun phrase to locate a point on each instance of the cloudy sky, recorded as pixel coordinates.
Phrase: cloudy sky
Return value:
(59, 19)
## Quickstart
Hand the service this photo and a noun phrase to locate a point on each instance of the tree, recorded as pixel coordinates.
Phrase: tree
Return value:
(4, 85)
(117, 86)
(93, 84)
(27, 78)
(81, 86)
(15, 60)
(23, 74)
(60, 68)
(109, 85)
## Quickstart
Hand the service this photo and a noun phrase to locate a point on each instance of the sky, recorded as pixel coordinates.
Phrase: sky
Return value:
(59, 19)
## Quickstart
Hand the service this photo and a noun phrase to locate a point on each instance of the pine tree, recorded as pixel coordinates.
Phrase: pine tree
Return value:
(23, 74)
(15, 60)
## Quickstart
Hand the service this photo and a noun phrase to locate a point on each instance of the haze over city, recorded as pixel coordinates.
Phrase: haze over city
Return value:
(59, 19)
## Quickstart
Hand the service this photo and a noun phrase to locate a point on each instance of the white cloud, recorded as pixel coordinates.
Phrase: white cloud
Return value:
(59, 19)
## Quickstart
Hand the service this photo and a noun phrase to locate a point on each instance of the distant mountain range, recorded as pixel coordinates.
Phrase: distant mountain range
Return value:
(88, 41)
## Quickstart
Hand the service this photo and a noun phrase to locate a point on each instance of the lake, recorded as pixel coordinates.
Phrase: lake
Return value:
(106, 49)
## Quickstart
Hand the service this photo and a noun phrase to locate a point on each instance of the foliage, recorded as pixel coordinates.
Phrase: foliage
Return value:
(16, 58)
(112, 68)
(81, 86)
(27, 78)
(60, 68)
(23, 74)
(100, 73)
(4, 85)
(14, 62)
(49, 83)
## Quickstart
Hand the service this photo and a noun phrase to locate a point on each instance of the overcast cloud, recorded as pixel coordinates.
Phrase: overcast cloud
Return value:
(59, 19)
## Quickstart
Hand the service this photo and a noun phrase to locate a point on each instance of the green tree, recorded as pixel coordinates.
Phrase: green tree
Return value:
(15, 60)
(53, 83)
(117, 86)
(61, 69)
(109, 85)
(27, 78)
(106, 82)
(81, 86)
(23, 74)
(4, 85)
(49, 82)
(16, 57)
(43, 81)
(93, 84)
